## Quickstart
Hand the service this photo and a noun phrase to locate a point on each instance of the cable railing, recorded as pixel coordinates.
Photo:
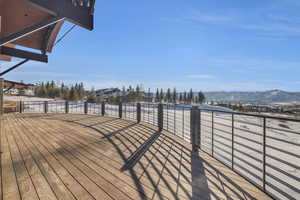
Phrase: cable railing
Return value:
(265, 150)
(177, 120)
(129, 111)
(149, 113)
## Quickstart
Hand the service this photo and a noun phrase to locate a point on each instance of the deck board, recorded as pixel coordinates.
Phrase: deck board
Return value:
(58, 156)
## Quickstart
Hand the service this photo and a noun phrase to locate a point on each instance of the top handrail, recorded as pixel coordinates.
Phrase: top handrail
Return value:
(201, 109)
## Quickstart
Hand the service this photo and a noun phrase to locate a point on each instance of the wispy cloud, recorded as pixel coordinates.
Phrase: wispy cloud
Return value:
(207, 18)
(200, 76)
(262, 23)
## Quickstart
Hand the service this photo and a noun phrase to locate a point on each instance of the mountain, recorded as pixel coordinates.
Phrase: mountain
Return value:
(272, 96)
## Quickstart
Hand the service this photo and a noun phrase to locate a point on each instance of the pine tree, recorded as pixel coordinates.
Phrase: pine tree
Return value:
(201, 97)
(161, 95)
(191, 96)
(72, 94)
(174, 96)
(185, 97)
(157, 96)
(180, 98)
(81, 91)
(149, 95)
(137, 93)
(168, 95)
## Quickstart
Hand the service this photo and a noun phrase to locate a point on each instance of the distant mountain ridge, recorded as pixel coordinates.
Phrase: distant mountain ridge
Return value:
(272, 96)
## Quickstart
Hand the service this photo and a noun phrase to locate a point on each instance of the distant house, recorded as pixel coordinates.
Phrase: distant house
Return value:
(17, 88)
(108, 93)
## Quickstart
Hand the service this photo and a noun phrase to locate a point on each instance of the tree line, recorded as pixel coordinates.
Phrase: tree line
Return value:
(182, 97)
(76, 92)
(138, 94)
(51, 89)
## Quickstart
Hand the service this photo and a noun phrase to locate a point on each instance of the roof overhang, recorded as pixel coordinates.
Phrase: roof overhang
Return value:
(35, 24)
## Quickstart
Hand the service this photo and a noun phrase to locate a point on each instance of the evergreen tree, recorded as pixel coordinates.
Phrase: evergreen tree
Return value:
(180, 98)
(168, 95)
(149, 95)
(73, 94)
(185, 97)
(201, 97)
(137, 93)
(157, 96)
(161, 95)
(174, 96)
(191, 96)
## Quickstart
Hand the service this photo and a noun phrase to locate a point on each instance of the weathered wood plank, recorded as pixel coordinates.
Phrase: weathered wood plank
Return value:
(72, 184)
(89, 185)
(9, 180)
(25, 183)
(84, 154)
(42, 187)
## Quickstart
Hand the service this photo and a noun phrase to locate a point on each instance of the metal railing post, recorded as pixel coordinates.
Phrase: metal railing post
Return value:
(103, 109)
(138, 112)
(160, 117)
(200, 138)
(232, 141)
(86, 107)
(21, 106)
(195, 128)
(264, 153)
(66, 107)
(46, 106)
(212, 134)
(1, 96)
(120, 109)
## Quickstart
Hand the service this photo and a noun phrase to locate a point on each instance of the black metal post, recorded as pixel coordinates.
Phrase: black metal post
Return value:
(195, 128)
(167, 116)
(1, 96)
(86, 107)
(212, 134)
(232, 141)
(46, 106)
(103, 108)
(120, 110)
(160, 117)
(138, 112)
(20, 106)
(264, 154)
(200, 129)
(66, 107)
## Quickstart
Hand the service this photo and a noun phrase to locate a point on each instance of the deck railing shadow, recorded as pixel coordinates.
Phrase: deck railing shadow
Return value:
(175, 164)
(244, 142)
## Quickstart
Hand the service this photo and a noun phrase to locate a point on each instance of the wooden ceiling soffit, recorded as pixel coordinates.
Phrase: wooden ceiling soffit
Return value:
(35, 24)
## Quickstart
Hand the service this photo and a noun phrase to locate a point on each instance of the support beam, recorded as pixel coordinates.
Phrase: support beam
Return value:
(81, 15)
(1, 96)
(29, 30)
(23, 54)
(13, 67)
(46, 38)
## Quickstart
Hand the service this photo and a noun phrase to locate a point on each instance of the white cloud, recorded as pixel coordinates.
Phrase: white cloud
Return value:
(200, 76)
(265, 23)
(213, 19)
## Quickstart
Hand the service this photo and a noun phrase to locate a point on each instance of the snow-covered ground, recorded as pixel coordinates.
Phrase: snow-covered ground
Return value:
(25, 98)
(282, 140)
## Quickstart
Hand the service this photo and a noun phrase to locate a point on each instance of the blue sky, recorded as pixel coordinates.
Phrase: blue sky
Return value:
(208, 45)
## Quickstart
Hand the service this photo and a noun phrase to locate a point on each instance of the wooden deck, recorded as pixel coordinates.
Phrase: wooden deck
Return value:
(92, 157)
